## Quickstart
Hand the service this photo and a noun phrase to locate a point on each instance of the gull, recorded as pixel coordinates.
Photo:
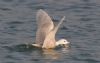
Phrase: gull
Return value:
(46, 31)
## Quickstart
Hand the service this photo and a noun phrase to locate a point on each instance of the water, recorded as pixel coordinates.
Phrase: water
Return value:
(81, 28)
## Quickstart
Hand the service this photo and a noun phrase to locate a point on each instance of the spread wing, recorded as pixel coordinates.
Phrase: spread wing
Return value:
(49, 41)
(58, 25)
(44, 26)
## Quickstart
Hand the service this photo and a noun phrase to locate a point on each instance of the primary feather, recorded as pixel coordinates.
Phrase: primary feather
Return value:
(44, 26)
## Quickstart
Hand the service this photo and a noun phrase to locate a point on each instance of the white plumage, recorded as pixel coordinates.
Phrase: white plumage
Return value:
(45, 34)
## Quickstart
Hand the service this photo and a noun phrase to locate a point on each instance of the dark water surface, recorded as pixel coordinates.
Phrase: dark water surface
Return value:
(81, 28)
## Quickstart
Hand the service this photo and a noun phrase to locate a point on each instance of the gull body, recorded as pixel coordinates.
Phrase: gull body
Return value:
(46, 31)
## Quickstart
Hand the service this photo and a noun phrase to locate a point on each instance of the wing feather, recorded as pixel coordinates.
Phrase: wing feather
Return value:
(50, 41)
(44, 26)
(58, 25)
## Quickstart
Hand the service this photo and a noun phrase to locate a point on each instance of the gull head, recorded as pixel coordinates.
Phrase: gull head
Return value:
(62, 42)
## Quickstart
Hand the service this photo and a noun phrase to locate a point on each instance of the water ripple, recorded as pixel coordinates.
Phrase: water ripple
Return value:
(81, 28)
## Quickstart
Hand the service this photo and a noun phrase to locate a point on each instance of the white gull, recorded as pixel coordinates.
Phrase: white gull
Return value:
(46, 31)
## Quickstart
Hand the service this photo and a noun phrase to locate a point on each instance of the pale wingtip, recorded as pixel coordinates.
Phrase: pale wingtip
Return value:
(63, 17)
(40, 10)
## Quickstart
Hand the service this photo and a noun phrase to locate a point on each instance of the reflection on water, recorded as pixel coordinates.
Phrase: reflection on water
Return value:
(65, 50)
(53, 54)
(44, 53)
(50, 54)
